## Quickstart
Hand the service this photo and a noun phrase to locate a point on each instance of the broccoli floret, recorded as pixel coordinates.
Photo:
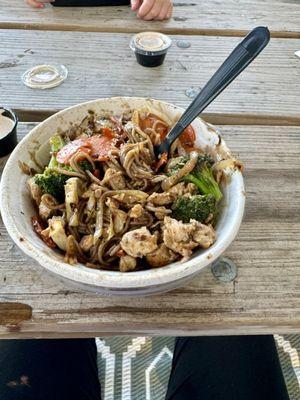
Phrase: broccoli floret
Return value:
(201, 176)
(175, 164)
(86, 165)
(51, 181)
(196, 207)
(56, 143)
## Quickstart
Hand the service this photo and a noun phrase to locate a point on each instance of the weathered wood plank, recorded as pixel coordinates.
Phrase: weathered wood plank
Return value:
(200, 17)
(265, 297)
(102, 65)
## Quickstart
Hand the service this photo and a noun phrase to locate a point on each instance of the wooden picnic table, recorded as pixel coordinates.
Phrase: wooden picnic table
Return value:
(258, 116)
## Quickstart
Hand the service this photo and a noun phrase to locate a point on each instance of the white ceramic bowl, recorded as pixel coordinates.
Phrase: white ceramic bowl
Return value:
(17, 208)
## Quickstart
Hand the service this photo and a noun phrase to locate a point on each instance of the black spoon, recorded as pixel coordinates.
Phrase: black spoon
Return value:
(244, 53)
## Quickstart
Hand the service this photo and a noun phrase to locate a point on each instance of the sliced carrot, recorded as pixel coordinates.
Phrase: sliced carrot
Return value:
(150, 120)
(162, 161)
(100, 145)
(109, 133)
(65, 153)
(120, 253)
(96, 173)
(188, 137)
(96, 146)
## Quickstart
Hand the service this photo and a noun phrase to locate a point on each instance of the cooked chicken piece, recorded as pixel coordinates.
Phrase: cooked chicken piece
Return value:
(136, 211)
(160, 199)
(114, 179)
(159, 212)
(73, 190)
(183, 238)
(127, 263)
(45, 211)
(139, 242)
(119, 220)
(130, 197)
(57, 232)
(205, 235)
(182, 188)
(160, 215)
(161, 256)
(46, 233)
(35, 190)
(86, 243)
(72, 251)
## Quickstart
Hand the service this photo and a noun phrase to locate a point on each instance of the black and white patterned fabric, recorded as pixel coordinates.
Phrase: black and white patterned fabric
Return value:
(139, 367)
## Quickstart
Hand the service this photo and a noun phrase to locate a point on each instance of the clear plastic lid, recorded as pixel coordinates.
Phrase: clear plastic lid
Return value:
(150, 43)
(44, 76)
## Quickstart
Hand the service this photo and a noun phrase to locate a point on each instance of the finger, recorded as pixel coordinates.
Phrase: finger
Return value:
(170, 11)
(163, 11)
(39, 3)
(135, 4)
(153, 13)
(34, 4)
(145, 8)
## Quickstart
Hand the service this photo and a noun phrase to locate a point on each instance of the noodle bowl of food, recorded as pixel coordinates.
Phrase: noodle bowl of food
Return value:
(85, 196)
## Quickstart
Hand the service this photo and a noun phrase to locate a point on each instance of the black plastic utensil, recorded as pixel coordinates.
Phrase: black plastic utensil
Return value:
(244, 53)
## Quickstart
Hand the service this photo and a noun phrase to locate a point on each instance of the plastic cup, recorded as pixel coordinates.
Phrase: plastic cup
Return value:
(150, 48)
(8, 140)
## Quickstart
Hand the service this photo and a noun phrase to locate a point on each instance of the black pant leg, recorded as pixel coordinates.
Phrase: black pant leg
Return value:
(226, 368)
(64, 369)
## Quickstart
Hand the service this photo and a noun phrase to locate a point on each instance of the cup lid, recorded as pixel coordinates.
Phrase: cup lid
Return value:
(44, 76)
(150, 43)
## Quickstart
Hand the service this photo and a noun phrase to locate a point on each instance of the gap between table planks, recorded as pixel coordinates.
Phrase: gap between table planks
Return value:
(198, 17)
(265, 297)
(105, 67)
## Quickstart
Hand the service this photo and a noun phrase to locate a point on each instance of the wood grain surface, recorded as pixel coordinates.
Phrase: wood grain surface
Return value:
(105, 66)
(201, 17)
(265, 297)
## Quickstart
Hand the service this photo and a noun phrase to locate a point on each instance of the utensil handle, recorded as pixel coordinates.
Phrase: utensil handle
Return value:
(244, 53)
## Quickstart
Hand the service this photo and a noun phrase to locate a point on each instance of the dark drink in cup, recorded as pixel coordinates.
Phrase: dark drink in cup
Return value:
(150, 48)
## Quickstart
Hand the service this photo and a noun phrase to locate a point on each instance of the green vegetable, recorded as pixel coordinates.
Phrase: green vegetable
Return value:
(51, 181)
(56, 143)
(175, 164)
(201, 176)
(194, 207)
(86, 165)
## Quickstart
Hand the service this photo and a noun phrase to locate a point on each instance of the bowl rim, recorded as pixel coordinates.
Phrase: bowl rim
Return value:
(115, 279)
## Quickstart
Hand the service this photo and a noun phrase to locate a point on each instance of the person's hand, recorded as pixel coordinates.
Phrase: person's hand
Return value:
(153, 9)
(38, 3)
